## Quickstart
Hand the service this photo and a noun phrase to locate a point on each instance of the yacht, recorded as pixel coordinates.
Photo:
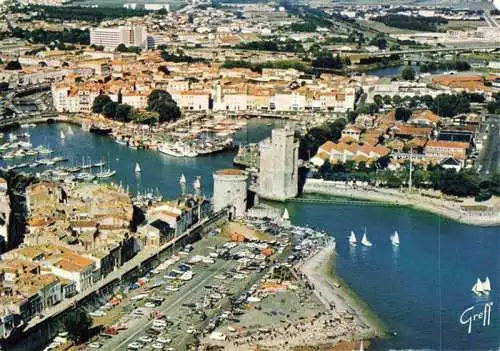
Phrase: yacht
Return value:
(364, 240)
(169, 150)
(395, 238)
(478, 288)
(106, 174)
(352, 239)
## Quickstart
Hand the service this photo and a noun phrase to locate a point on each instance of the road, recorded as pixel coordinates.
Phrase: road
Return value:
(186, 293)
(489, 159)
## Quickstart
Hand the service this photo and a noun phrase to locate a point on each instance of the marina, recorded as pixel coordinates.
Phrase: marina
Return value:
(410, 307)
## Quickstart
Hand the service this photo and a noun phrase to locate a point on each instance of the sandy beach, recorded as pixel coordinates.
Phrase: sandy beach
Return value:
(467, 211)
(336, 297)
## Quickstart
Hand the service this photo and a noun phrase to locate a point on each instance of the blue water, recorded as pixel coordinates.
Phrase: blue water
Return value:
(418, 290)
(396, 71)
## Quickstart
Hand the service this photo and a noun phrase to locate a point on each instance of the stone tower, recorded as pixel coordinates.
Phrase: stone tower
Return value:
(278, 166)
(230, 188)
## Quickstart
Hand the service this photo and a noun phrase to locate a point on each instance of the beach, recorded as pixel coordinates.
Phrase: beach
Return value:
(464, 210)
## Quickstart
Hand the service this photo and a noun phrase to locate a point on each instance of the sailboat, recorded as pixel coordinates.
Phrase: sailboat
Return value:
(487, 286)
(62, 135)
(478, 288)
(70, 131)
(182, 179)
(137, 168)
(365, 241)
(395, 238)
(352, 239)
(286, 216)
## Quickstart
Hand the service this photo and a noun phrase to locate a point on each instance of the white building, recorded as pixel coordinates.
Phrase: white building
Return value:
(111, 37)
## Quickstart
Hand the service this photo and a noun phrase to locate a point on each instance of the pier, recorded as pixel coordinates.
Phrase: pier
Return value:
(342, 201)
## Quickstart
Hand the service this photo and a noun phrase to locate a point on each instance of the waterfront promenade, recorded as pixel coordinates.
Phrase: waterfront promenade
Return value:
(466, 211)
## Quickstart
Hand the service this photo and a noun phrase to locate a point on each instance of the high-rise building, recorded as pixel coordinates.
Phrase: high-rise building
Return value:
(278, 166)
(111, 37)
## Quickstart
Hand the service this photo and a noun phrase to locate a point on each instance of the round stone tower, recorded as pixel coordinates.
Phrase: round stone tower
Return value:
(230, 188)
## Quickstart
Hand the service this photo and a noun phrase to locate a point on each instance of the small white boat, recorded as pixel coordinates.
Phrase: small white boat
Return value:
(478, 287)
(197, 183)
(106, 174)
(352, 239)
(286, 216)
(62, 135)
(487, 286)
(137, 168)
(395, 238)
(70, 131)
(182, 179)
(364, 240)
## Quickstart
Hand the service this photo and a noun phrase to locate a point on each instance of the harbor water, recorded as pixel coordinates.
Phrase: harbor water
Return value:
(419, 290)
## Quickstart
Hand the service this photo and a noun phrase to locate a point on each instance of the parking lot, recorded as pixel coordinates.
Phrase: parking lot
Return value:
(182, 300)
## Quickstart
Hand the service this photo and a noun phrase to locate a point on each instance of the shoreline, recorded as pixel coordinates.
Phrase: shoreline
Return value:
(344, 303)
(466, 212)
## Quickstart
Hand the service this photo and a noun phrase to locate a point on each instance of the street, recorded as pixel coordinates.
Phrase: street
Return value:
(489, 159)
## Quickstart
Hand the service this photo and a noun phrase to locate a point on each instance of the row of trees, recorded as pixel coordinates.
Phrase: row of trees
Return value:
(288, 45)
(131, 49)
(456, 65)
(80, 13)
(444, 105)
(257, 67)
(42, 36)
(424, 24)
(466, 182)
(161, 108)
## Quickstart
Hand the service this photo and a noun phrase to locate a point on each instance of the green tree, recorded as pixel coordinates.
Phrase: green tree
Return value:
(157, 97)
(492, 107)
(168, 112)
(99, 103)
(124, 113)
(402, 114)
(13, 65)
(378, 100)
(446, 105)
(77, 324)
(396, 99)
(408, 73)
(387, 99)
(109, 110)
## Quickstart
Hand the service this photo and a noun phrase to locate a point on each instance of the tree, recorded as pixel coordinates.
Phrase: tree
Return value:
(157, 97)
(408, 73)
(169, 112)
(492, 106)
(121, 48)
(387, 99)
(109, 110)
(124, 113)
(13, 66)
(402, 114)
(378, 100)
(99, 103)
(77, 323)
(396, 99)
(450, 105)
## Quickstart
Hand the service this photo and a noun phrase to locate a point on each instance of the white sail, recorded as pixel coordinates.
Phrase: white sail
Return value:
(286, 216)
(486, 285)
(62, 135)
(478, 287)
(137, 168)
(182, 179)
(365, 241)
(395, 239)
(70, 130)
(352, 239)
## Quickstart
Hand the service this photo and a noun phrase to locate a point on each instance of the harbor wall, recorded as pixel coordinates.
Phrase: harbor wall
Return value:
(467, 212)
